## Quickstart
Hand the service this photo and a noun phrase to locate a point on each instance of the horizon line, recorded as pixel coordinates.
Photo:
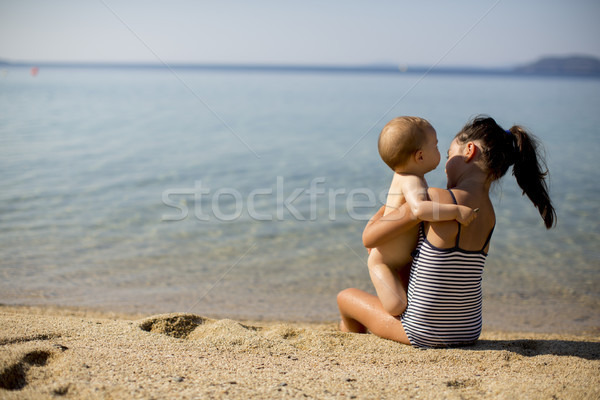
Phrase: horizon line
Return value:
(374, 68)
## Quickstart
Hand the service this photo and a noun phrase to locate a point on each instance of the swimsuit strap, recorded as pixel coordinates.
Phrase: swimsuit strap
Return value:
(488, 238)
(458, 233)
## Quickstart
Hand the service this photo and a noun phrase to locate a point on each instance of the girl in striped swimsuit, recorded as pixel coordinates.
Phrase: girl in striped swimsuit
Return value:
(444, 291)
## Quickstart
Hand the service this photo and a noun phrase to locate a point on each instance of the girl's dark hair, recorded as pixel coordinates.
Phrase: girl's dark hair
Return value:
(501, 149)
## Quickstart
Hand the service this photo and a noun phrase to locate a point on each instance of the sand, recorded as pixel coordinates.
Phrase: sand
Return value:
(68, 353)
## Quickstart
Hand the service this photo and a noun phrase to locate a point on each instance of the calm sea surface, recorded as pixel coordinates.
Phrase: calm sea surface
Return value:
(244, 195)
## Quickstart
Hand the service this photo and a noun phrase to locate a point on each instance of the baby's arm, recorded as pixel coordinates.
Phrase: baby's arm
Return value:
(415, 193)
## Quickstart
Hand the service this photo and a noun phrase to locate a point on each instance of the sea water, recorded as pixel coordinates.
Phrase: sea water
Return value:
(244, 194)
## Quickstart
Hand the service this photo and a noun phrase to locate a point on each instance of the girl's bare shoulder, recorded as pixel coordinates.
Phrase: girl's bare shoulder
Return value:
(438, 195)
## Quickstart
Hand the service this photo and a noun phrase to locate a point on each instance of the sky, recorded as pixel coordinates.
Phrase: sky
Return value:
(485, 33)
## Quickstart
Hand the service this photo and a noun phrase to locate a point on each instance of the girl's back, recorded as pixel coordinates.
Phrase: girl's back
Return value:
(444, 293)
(443, 234)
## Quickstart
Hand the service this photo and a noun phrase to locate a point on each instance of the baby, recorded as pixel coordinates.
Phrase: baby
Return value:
(408, 145)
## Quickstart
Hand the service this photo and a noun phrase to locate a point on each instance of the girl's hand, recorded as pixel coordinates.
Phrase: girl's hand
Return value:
(466, 215)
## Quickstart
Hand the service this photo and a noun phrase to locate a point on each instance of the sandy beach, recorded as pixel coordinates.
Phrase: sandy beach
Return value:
(70, 353)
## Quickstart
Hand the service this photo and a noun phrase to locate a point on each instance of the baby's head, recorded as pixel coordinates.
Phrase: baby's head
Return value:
(401, 138)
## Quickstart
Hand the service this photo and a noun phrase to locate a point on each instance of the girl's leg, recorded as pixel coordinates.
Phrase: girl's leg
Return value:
(362, 311)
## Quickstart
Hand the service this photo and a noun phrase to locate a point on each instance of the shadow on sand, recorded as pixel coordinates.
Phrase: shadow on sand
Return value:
(531, 348)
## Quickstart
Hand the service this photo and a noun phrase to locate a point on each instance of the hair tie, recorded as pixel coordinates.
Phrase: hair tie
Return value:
(508, 132)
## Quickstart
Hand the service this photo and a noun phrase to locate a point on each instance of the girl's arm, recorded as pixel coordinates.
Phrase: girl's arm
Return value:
(381, 229)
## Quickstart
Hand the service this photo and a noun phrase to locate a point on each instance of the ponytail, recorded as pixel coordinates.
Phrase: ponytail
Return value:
(516, 147)
(530, 171)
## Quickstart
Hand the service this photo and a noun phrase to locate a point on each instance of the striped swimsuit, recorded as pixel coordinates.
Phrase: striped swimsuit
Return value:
(444, 294)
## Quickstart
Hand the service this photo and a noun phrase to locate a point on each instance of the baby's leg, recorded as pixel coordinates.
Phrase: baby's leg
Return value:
(390, 284)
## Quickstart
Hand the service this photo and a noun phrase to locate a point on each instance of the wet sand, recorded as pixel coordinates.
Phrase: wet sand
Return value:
(57, 352)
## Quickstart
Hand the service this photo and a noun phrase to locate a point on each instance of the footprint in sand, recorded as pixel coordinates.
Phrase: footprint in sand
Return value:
(23, 357)
(14, 375)
(175, 325)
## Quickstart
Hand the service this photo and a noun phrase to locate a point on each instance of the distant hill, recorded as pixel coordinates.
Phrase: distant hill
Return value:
(574, 66)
